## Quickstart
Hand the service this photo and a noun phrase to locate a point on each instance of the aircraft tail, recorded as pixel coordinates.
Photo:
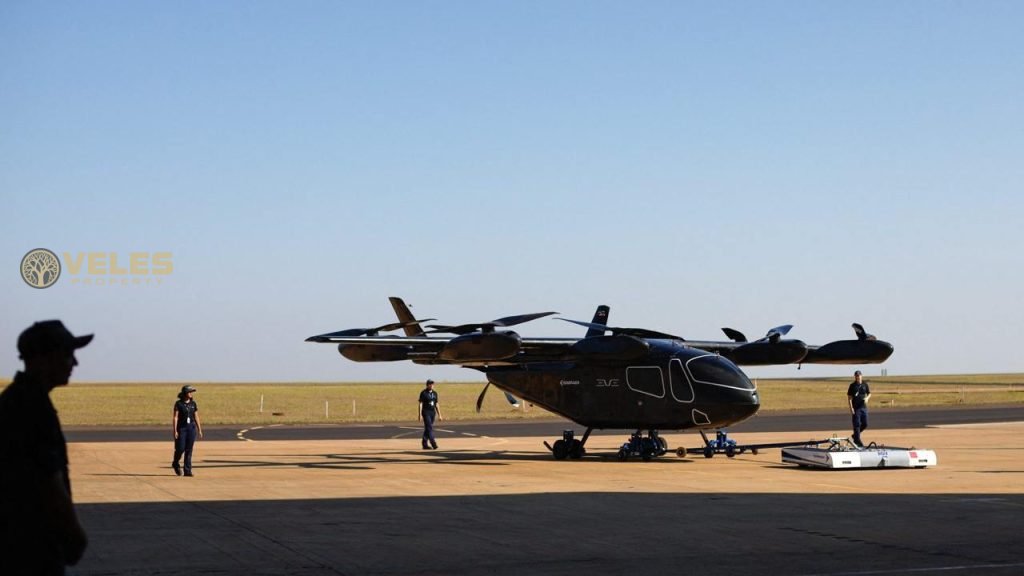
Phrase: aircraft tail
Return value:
(600, 317)
(412, 327)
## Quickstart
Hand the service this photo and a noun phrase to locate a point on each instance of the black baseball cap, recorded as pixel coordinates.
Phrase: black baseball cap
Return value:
(857, 373)
(47, 336)
(430, 381)
(186, 389)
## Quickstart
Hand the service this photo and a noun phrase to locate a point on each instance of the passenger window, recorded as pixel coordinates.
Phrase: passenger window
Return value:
(645, 380)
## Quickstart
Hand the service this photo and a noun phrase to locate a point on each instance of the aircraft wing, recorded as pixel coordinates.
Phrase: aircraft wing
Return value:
(789, 351)
(481, 344)
(508, 348)
(475, 349)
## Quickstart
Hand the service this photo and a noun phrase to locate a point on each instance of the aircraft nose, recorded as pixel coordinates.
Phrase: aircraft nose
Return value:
(744, 400)
(743, 404)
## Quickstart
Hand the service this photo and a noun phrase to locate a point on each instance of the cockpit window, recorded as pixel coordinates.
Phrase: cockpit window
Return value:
(682, 391)
(713, 369)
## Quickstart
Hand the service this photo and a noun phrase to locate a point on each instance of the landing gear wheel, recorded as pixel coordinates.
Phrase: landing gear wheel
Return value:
(730, 451)
(560, 450)
(623, 455)
(681, 452)
(576, 450)
(646, 455)
(753, 451)
(662, 445)
(709, 451)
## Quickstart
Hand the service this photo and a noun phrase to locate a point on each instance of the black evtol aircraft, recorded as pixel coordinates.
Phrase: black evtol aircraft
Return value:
(632, 378)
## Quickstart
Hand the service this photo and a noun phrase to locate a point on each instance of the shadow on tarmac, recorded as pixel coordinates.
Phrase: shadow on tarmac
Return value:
(486, 458)
(563, 533)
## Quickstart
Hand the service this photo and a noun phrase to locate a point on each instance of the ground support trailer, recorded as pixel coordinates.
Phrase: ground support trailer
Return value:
(838, 454)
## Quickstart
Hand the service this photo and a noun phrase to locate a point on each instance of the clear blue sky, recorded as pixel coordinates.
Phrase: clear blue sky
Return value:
(692, 165)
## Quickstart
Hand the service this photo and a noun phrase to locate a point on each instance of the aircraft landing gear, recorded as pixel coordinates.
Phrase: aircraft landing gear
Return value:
(569, 446)
(645, 447)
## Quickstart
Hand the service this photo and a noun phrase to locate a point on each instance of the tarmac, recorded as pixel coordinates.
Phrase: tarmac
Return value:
(484, 505)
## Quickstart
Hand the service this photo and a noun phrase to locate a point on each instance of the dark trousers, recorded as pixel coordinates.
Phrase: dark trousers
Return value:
(860, 423)
(428, 428)
(183, 445)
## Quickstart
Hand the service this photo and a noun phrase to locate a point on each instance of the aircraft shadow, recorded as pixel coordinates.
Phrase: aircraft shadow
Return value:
(336, 461)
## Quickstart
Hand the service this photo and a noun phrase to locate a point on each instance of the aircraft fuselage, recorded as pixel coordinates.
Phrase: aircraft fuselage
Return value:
(673, 387)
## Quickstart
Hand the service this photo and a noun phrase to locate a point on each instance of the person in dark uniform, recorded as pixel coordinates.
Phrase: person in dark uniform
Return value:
(187, 428)
(41, 533)
(858, 395)
(428, 411)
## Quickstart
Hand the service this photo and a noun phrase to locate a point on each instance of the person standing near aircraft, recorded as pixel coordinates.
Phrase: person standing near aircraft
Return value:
(185, 422)
(428, 409)
(857, 396)
(41, 533)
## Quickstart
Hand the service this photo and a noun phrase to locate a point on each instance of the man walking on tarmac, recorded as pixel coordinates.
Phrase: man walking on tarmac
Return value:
(428, 410)
(858, 395)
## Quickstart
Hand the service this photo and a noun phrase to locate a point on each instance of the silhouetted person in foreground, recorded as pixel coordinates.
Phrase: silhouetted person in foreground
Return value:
(185, 422)
(41, 533)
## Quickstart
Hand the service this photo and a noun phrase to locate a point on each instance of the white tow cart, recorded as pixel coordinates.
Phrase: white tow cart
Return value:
(841, 453)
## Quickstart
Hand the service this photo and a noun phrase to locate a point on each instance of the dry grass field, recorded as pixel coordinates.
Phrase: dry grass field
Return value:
(894, 391)
(126, 404)
(310, 403)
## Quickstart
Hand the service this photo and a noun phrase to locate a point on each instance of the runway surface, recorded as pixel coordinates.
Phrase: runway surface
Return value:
(881, 419)
(492, 501)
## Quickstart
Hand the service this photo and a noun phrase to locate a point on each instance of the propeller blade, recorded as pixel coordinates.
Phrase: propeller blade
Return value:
(519, 319)
(601, 327)
(861, 334)
(464, 329)
(489, 326)
(774, 334)
(480, 399)
(512, 400)
(734, 335)
(638, 332)
(373, 331)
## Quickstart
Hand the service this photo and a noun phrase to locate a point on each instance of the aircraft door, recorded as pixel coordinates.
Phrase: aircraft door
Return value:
(679, 382)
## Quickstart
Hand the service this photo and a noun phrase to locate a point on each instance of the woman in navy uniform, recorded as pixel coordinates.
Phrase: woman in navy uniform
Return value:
(185, 422)
(428, 410)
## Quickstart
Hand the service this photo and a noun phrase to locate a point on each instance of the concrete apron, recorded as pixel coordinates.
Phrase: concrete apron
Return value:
(484, 505)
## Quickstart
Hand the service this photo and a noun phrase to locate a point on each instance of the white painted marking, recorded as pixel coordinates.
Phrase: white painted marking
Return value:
(672, 382)
(241, 434)
(979, 425)
(661, 380)
(969, 569)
